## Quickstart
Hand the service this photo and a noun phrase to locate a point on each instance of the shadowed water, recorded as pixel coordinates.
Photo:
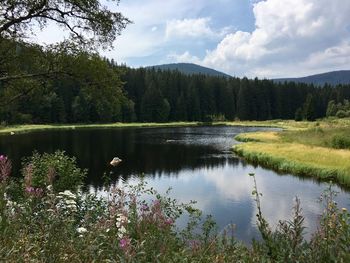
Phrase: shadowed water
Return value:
(196, 162)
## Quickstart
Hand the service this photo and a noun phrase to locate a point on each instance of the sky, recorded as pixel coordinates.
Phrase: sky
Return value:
(265, 39)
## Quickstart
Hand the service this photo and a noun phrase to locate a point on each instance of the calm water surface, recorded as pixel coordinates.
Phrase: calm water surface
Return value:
(196, 162)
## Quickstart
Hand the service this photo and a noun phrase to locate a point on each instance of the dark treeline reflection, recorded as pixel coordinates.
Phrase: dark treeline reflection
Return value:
(150, 152)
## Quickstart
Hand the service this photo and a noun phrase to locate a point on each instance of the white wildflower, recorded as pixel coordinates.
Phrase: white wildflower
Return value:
(68, 194)
(122, 230)
(81, 230)
(70, 202)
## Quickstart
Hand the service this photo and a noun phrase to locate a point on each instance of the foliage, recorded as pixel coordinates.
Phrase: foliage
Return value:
(82, 87)
(339, 110)
(88, 89)
(57, 170)
(124, 227)
(88, 22)
(195, 97)
(341, 142)
(63, 82)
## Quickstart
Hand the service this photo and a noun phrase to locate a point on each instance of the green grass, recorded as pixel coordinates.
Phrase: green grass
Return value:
(25, 128)
(319, 149)
(318, 136)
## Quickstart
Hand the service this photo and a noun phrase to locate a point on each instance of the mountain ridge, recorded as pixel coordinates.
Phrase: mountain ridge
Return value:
(190, 69)
(332, 78)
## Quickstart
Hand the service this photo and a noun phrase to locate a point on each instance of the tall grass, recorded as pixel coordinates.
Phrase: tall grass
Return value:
(332, 137)
(320, 150)
(319, 162)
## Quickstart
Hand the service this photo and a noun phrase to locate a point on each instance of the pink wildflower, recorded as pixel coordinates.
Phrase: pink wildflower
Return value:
(124, 243)
(35, 192)
(5, 168)
(169, 221)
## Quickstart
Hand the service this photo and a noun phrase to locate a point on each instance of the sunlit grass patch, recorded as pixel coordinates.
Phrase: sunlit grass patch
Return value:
(14, 129)
(258, 137)
(320, 162)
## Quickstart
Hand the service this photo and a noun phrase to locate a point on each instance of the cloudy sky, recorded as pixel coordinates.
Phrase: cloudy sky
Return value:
(271, 38)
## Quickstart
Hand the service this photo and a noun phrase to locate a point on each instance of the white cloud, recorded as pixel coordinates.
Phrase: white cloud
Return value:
(184, 57)
(291, 37)
(190, 27)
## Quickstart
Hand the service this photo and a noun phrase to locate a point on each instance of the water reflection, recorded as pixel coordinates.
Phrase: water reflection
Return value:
(196, 162)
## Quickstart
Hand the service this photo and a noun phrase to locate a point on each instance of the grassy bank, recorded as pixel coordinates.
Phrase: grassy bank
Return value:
(25, 128)
(320, 149)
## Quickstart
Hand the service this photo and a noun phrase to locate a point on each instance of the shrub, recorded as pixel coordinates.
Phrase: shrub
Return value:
(341, 114)
(340, 142)
(57, 169)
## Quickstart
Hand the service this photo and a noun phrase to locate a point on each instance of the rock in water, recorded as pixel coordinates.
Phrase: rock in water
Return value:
(115, 161)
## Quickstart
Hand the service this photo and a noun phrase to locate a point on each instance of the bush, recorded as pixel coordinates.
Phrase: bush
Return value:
(341, 114)
(340, 142)
(57, 169)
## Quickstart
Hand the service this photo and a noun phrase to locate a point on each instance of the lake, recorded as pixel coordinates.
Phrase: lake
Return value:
(196, 162)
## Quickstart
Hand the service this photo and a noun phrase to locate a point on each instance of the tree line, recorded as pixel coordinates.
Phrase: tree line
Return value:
(172, 96)
(85, 88)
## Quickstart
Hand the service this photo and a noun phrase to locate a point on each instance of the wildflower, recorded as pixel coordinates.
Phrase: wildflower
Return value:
(35, 192)
(122, 218)
(344, 209)
(124, 243)
(70, 202)
(81, 230)
(68, 193)
(156, 202)
(5, 168)
(169, 221)
(144, 208)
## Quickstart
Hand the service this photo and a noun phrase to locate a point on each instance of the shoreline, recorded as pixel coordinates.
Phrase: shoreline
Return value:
(271, 150)
(265, 148)
(27, 128)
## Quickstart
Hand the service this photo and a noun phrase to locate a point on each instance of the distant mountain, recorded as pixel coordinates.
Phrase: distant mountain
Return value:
(189, 69)
(332, 78)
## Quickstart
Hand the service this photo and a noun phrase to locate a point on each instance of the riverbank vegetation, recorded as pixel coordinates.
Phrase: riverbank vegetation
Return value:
(41, 222)
(17, 129)
(24, 128)
(320, 149)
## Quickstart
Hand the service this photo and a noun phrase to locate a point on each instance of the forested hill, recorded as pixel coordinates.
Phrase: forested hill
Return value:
(189, 69)
(332, 78)
(89, 89)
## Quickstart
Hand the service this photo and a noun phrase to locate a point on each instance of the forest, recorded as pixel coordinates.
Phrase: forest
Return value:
(83, 87)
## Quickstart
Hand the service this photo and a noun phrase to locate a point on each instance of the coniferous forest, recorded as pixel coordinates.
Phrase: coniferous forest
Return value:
(82, 87)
